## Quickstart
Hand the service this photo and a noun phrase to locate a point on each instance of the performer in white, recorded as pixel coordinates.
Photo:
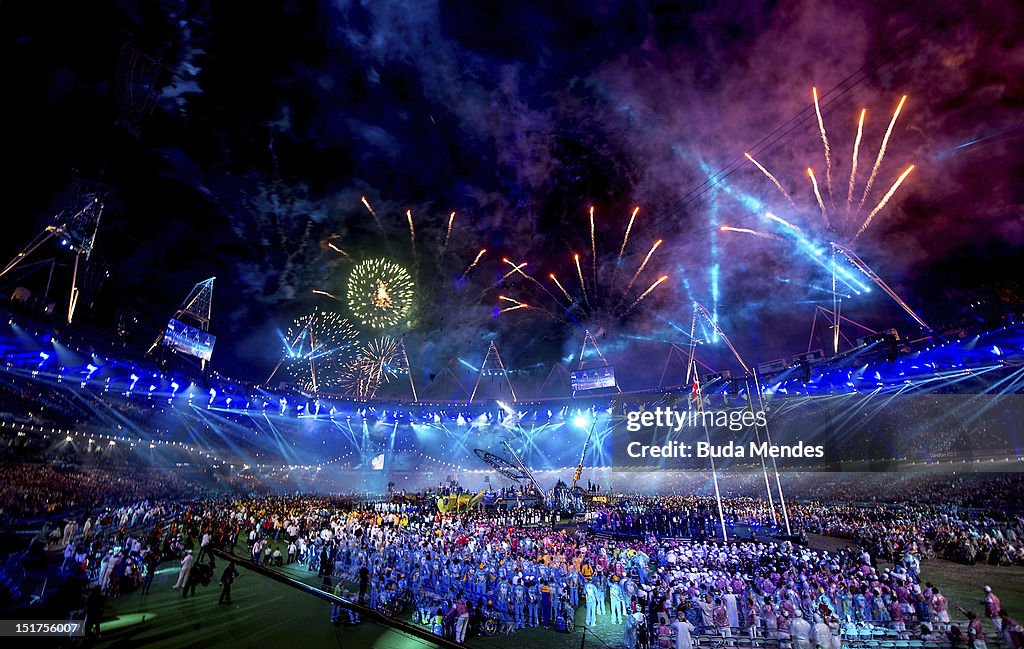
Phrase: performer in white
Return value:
(186, 567)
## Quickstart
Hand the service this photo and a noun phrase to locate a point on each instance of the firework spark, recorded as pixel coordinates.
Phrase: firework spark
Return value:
(593, 247)
(817, 196)
(440, 268)
(515, 269)
(337, 249)
(530, 277)
(476, 260)
(586, 303)
(579, 271)
(378, 362)
(629, 227)
(317, 291)
(380, 293)
(772, 178)
(560, 287)
(783, 222)
(645, 294)
(824, 141)
(372, 212)
(856, 153)
(885, 199)
(448, 234)
(842, 227)
(756, 233)
(881, 151)
(642, 265)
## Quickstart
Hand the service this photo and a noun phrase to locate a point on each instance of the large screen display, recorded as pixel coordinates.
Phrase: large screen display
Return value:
(593, 378)
(189, 340)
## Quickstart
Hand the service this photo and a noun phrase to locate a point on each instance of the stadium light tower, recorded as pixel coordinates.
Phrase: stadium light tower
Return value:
(583, 382)
(492, 366)
(74, 227)
(189, 327)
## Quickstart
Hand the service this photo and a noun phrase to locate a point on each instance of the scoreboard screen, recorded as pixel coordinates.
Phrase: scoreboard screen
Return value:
(593, 379)
(189, 340)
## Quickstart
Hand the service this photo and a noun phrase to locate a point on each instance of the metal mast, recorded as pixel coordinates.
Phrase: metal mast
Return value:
(196, 309)
(74, 227)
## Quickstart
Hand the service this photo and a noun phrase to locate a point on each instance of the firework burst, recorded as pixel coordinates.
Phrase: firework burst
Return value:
(379, 361)
(431, 275)
(316, 349)
(850, 220)
(598, 298)
(846, 223)
(380, 293)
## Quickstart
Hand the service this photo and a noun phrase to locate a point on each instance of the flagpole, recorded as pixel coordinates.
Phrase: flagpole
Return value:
(711, 458)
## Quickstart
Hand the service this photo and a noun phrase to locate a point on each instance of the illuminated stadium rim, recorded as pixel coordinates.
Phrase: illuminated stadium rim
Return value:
(40, 357)
(994, 359)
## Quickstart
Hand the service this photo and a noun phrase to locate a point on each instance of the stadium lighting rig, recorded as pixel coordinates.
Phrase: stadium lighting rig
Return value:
(74, 228)
(188, 330)
(845, 252)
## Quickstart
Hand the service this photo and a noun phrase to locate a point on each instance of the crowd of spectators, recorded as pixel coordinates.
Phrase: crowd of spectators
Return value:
(646, 563)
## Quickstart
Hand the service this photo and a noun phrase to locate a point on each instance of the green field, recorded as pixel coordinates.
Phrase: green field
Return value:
(962, 585)
(264, 613)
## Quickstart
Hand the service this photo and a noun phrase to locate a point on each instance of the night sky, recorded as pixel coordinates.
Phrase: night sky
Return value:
(269, 124)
